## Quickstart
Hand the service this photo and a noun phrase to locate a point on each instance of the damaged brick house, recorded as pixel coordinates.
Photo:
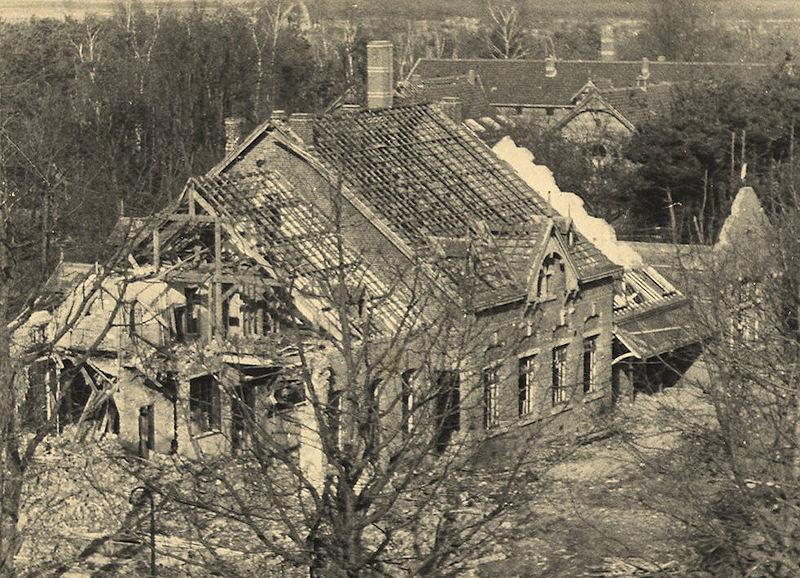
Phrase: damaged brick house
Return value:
(233, 269)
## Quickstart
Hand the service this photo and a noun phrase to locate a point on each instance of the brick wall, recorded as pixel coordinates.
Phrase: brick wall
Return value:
(519, 331)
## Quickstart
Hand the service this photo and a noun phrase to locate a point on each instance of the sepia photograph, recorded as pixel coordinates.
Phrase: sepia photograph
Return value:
(375, 288)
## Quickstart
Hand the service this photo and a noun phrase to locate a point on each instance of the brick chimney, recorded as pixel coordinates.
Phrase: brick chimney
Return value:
(550, 69)
(644, 75)
(302, 124)
(608, 50)
(452, 107)
(380, 74)
(233, 133)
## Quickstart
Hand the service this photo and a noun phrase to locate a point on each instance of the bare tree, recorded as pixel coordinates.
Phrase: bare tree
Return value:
(731, 474)
(19, 300)
(507, 34)
(355, 445)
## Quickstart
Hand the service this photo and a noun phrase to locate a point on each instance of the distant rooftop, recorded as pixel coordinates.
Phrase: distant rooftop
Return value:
(526, 82)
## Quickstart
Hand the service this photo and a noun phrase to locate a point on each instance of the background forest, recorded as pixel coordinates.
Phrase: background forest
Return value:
(103, 112)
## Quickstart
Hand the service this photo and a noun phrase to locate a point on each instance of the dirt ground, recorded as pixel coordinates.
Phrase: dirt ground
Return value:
(591, 508)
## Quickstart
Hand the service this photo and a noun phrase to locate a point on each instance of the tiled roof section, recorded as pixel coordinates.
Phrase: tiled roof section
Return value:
(589, 260)
(639, 105)
(291, 234)
(505, 267)
(474, 104)
(67, 276)
(523, 82)
(660, 331)
(496, 269)
(428, 176)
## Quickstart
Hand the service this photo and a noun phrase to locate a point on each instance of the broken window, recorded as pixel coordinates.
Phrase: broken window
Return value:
(38, 334)
(204, 404)
(559, 374)
(286, 394)
(192, 326)
(491, 415)
(526, 381)
(255, 318)
(589, 364)
(187, 324)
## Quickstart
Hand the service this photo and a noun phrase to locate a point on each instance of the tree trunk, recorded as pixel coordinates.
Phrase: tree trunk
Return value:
(11, 480)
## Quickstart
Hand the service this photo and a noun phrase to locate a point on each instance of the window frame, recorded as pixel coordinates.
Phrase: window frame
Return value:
(491, 413)
(590, 377)
(559, 386)
(526, 366)
(207, 402)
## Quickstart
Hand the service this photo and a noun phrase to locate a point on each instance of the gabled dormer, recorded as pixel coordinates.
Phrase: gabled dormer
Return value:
(553, 275)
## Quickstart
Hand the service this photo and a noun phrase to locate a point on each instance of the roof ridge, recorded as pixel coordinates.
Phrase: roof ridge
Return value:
(588, 61)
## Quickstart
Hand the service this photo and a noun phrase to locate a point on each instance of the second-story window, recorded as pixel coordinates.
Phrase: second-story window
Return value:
(559, 374)
(205, 404)
(526, 384)
(590, 364)
(491, 414)
(191, 322)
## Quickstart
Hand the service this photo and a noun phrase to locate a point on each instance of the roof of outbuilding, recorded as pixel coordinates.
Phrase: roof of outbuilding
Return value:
(662, 330)
(524, 82)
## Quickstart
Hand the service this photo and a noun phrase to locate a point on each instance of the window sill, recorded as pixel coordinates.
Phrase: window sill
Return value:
(593, 396)
(561, 407)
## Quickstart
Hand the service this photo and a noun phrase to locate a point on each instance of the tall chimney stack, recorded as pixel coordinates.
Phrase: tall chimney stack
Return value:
(644, 76)
(608, 50)
(380, 74)
(550, 69)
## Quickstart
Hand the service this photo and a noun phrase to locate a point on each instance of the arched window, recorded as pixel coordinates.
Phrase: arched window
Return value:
(552, 278)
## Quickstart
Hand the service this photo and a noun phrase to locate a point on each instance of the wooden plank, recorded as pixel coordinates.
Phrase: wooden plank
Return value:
(181, 217)
(156, 249)
(205, 276)
(218, 320)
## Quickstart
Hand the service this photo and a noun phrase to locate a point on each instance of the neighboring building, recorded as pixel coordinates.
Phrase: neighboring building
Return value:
(691, 293)
(605, 117)
(548, 88)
